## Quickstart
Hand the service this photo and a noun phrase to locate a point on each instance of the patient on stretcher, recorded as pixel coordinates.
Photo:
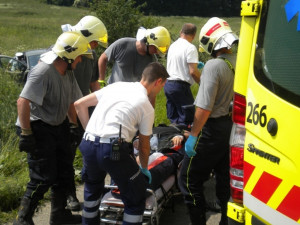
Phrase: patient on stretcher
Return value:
(164, 161)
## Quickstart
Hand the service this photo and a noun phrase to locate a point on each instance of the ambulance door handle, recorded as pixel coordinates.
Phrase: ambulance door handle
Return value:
(272, 127)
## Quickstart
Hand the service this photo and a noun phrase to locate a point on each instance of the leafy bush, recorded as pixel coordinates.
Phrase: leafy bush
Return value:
(121, 18)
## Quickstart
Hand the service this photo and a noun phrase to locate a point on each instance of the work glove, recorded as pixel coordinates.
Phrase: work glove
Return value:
(147, 173)
(75, 135)
(189, 146)
(200, 65)
(27, 143)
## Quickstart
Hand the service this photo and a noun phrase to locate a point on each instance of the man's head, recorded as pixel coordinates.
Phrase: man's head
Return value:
(69, 47)
(154, 78)
(189, 29)
(216, 34)
(157, 40)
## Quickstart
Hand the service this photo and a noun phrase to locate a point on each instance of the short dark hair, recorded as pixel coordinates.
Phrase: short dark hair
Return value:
(154, 71)
(189, 29)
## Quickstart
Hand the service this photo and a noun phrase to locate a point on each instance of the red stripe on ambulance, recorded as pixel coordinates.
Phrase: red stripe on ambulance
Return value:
(290, 206)
(265, 187)
(248, 169)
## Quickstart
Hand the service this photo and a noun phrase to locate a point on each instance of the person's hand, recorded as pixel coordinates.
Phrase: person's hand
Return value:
(189, 146)
(147, 173)
(177, 140)
(27, 143)
(75, 135)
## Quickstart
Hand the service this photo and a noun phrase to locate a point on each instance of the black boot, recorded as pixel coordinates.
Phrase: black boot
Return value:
(59, 215)
(69, 218)
(25, 213)
(197, 215)
(72, 202)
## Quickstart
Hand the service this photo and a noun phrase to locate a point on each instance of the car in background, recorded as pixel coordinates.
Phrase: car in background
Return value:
(20, 65)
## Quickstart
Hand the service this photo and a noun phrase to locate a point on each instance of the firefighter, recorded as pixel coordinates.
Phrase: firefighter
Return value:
(86, 74)
(46, 99)
(122, 109)
(207, 148)
(130, 56)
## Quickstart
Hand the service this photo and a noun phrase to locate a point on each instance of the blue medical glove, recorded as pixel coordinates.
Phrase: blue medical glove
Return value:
(200, 65)
(189, 146)
(146, 172)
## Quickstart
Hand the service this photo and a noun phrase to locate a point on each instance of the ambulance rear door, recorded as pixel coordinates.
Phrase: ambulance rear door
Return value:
(272, 143)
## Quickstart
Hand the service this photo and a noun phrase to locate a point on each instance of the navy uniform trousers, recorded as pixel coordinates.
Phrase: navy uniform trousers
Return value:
(212, 155)
(180, 100)
(125, 173)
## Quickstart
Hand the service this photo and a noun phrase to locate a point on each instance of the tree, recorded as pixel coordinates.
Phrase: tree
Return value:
(122, 18)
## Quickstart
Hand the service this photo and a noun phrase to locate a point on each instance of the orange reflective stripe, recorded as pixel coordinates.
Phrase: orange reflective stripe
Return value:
(290, 205)
(157, 161)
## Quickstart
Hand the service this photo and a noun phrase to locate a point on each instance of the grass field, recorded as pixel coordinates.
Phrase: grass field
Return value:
(29, 24)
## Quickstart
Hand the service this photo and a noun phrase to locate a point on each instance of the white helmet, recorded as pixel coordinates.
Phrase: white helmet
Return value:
(159, 37)
(93, 29)
(216, 34)
(69, 45)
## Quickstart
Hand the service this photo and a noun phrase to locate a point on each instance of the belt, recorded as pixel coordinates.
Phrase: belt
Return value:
(226, 117)
(90, 137)
(180, 81)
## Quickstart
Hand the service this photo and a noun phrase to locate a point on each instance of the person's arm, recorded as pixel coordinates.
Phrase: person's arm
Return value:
(24, 113)
(144, 150)
(200, 118)
(82, 105)
(194, 72)
(94, 86)
(72, 114)
(102, 64)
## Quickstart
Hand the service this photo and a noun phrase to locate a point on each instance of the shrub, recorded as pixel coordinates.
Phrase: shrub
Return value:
(121, 18)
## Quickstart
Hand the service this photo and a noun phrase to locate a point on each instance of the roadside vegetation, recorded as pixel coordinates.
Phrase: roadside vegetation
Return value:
(31, 24)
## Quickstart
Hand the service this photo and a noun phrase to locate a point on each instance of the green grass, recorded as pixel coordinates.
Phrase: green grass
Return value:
(30, 24)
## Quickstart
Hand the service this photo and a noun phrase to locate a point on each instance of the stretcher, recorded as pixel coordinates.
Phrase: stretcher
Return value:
(112, 208)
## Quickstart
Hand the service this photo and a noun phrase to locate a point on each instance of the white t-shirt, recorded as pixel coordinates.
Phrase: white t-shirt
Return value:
(180, 53)
(123, 103)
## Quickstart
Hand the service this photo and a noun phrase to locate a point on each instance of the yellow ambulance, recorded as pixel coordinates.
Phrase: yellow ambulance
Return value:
(265, 139)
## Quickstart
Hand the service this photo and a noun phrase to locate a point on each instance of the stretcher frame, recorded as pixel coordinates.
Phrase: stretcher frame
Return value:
(112, 209)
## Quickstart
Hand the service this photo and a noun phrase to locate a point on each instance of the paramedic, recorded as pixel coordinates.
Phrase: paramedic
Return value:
(86, 74)
(207, 147)
(182, 64)
(45, 101)
(122, 109)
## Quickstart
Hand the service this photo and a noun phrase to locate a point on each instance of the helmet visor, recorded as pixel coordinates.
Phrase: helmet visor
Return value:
(226, 41)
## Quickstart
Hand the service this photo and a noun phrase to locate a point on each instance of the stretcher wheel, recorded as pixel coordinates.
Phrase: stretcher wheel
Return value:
(155, 220)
